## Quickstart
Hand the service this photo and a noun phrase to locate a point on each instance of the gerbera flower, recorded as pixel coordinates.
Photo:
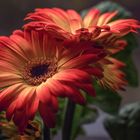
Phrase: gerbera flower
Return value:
(94, 27)
(35, 71)
(69, 24)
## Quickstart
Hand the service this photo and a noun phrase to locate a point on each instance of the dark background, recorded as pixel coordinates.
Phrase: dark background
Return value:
(12, 12)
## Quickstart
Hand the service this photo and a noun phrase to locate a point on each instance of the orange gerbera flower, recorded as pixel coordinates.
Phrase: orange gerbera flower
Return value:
(35, 71)
(94, 27)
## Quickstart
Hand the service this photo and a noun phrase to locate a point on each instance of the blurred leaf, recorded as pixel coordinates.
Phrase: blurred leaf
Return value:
(109, 6)
(126, 125)
(107, 100)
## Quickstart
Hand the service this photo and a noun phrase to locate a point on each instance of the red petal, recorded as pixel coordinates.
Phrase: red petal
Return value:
(91, 18)
(43, 93)
(10, 110)
(56, 87)
(105, 18)
(72, 75)
(8, 95)
(81, 61)
(32, 106)
(54, 104)
(47, 115)
(88, 88)
(20, 119)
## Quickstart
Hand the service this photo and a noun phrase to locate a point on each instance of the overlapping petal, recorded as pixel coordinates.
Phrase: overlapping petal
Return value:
(114, 77)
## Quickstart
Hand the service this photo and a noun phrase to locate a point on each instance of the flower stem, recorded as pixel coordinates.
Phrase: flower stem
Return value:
(69, 115)
(46, 133)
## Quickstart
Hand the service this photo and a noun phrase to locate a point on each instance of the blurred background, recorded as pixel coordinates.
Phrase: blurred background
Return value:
(12, 13)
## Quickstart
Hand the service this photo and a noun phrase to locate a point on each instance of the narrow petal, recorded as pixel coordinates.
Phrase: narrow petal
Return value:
(47, 115)
(12, 47)
(91, 18)
(24, 97)
(75, 25)
(9, 94)
(105, 18)
(72, 75)
(32, 106)
(55, 87)
(81, 61)
(95, 71)
(54, 104)
(8, 79)
(74, 94)
(20, 116)
(43, 93)
(10, 110)
(87, 88)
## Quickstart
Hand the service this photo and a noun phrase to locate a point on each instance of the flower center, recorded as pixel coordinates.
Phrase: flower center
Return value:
(38, 71)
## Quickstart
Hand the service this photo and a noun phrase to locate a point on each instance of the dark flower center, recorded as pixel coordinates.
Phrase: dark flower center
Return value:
(39, 70)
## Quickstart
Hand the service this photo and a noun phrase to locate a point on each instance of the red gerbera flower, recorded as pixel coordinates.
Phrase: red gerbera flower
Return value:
(35, 71)
(94, 27)
(69, 24)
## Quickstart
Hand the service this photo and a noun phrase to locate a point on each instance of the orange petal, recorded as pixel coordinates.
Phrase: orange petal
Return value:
(91, 18)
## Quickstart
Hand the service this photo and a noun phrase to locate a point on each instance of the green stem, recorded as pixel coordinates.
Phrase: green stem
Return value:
(46, 133)
(68, 120)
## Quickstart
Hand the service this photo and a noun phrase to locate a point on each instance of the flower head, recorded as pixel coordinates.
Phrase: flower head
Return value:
(35, 71)
(69, 24)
